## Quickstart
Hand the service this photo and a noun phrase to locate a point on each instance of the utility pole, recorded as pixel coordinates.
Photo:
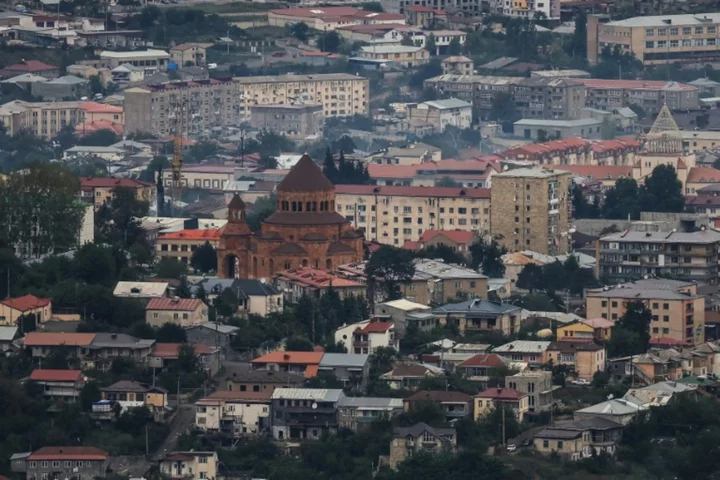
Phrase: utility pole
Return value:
(502, 409)
(147, 443)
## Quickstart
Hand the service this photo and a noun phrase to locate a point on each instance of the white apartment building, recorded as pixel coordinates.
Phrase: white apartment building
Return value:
(234, 413)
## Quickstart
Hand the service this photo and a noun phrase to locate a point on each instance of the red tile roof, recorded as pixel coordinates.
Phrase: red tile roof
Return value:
(420, 8)
(399, 191)
(194, 234)
(602, 146)
(180, 304)
(377, 327)
(305, 175)
(598, 323)
(381, 27)
(411, 245)
(39, 375)
(82, 129)
(26, 302)
(170, 350)
(288, 358)
(47, 339)
(314, 278)
(69, 453)
(702, 200)
(95, 107)
(457, 236)
(31, 66)
(501, 394)
(597, 172)
(87, 183)
(484, 360)
(703, 175)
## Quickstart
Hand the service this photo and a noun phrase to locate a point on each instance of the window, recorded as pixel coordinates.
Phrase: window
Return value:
(560, 444)
(202, 459)
(655, 305)
(666, 318)
(686, 30)
(56, 464)
(604, 303)
(655, 330)
(33, 464)
(662, 32)
(203, 475)
(614, 304)
(711, 30)
(674, 31)
(68, 464)
(666, 331)
(698, 30)
(649, 44)
(649, 32)
(546, 444)
(666, 306)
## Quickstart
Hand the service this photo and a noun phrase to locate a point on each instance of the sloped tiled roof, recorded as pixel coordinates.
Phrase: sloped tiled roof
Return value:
(484, 360)
(45, 339)
(290, 358)
(42, 375)
(180, 304)
(501, 394)
(457, 236)
(69, 453)
(26, 302)
(306, 175)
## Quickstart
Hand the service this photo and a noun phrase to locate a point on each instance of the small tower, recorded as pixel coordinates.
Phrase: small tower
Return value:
(664, 136)
(160, 188)
(232, 253)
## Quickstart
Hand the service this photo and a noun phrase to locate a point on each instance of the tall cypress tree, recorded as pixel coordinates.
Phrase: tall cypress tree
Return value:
(329, 168)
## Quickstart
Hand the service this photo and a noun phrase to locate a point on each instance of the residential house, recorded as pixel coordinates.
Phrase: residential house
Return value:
(313, 282)
(8, 334)
(179, 311)
(538, 386)
(602, 328)
(506, 399)
(131, 394)
(192, 53)
(451, 281)
(479, 315)
(100, 191)
(352, 369)
(534, 353)
(617, 410)
(459, 241)
(192, 465)
(403, 56)
(67, 462)
(141, 290)
(440, 114)
(579, 439)
(212, 334)
(256, 296)
(234, 413)
(304, 413)
(374, 335)
(242, 380)
(105, 347)
(301, 363)
(405, 313)
(584, 357)
(712, 351)
(659, 394)
(482, 366)
(454, 405)
(648, 368)
(165, 354)
(63, 385)
(407, 376)
(13, 308)
(35, 67)
(457, 65)
(420, 438)
(73, 345)
(358, 412)
(575, 331)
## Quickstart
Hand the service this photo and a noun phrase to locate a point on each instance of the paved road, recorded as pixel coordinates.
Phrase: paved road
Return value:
(182, 421)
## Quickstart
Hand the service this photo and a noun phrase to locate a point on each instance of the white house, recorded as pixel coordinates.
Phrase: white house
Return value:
(234, 413)
(367, 336)
(441, 114)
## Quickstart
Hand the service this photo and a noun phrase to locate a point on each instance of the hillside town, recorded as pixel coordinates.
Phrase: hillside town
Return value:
(347, 240)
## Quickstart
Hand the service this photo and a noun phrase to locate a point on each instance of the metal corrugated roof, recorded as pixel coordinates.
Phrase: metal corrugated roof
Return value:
(317, 394)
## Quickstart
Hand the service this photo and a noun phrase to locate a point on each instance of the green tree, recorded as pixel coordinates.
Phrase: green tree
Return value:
(261, 209)
(631, 334)
(662, 191)
(373, 7)
(298, 344)
(330, 41)
(455, 47)
(170, 268)
(503, 108)
(386, 269)
(622, 200)
(581, 207)
(431, 44)
(204, 258)
(39, 210)
(99, 138)
(578, 44)
(608, 129)
(227, 303)
(553, 276)
(531, 277)
(542, 136)
(639, 110)
(488, 258)
(300, 31)
(447, 254)
(330, 169)
(170, 333)
(90, 394)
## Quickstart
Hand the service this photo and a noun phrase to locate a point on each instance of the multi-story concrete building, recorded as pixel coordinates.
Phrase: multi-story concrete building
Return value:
(657, 39)
(151, 61)
(467, 7)
(180, 245)
(46, 119)
(531, 209)
(457, 65)
(294, 120)
(538, 386)
(304, 413)
(393, 215)
(67, 462)
(358, 412)
(479, 315)
(329, 18)
(530, 128)
(651, 95)
(402, 55)
(579, 151)
(678, 312)
(234, 413)
(583, 357)
(441, 114)
(99, 191)
(631, 255)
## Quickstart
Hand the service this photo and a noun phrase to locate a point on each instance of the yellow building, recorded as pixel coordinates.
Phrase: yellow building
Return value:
(180, 245)
(678, 312)
(576, 330)
(581, 355)
(190, 53)
(602, 328)
(393, 215)
(11, 309)
(657, 39)
(130, 394)
(213, 178)
(185, 312)
(192, 465)
(401, 55)
(501, 398)
(101, 190)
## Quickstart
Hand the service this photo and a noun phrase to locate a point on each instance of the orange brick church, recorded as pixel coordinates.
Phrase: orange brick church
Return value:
(305, 230)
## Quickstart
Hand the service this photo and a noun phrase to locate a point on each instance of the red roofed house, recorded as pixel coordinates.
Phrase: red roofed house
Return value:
(164, 354)
(80, 463)
(313, 282)
(74, 345)
(458, 240)
(101, 190)
(87, 128)
(59, 384)
(190, 53)
(302, 363)
(180, 245)
(480, 367)
(11, 309)
(35, 67)
(505, 398)
(374, 335)
(179, 311)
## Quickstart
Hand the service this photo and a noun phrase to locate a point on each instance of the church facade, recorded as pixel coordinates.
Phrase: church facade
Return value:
(305, 230)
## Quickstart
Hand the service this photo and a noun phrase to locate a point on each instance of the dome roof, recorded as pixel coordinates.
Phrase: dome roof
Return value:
(306, 175)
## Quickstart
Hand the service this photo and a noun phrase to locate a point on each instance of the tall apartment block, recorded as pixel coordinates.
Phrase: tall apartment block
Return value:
(530, 209)
(226, 102)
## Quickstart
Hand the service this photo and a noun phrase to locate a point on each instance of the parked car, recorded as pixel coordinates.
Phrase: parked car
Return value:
(580, 381)
(527, 442)
(511, 447)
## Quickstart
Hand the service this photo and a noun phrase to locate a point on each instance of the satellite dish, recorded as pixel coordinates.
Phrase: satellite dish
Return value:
(314, 406)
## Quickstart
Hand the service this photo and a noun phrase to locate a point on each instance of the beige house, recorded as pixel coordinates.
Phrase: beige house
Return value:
(46, 119)
(401, 55)
(152, 61)
(584, 357)
(101, 190)
(179, 311)
(441, 114)
(180, 245)
(656, 40)
(408, 441)
(393, 215)
(235, 413)
(531, 210)
(457, 65)
(501, 398)
(579, 439)
(190, 53)
(192, 465)
(414, 154)
(11, 309)
(479, 315)
(678, 312)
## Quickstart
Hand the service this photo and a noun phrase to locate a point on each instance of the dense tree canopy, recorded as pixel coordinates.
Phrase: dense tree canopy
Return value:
(387, 268)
